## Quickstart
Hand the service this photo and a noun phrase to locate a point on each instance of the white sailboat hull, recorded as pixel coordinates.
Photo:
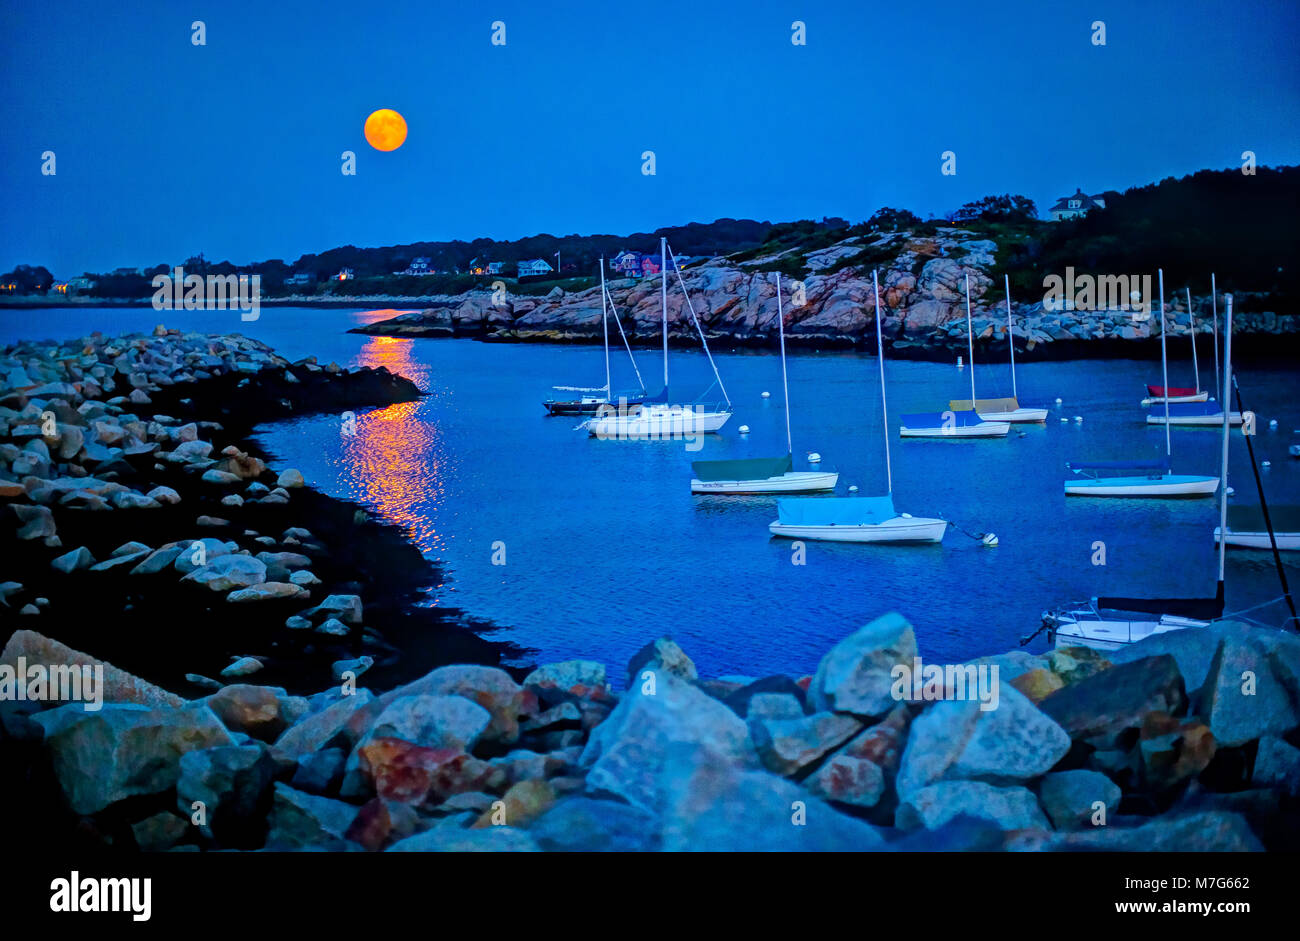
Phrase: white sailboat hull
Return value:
(985, 429)
(1259, 540)
(1167, 485)
(653, 423)
(1204, 421)
(1174, 399)
(793, 482)
(900, 529)
(1018, 416)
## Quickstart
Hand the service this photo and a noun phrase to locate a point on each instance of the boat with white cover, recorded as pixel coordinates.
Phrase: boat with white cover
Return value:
(1158, 395)
(858, 519)
(950, 424)
(763, 475)
(1202, 414)
(1004, 409)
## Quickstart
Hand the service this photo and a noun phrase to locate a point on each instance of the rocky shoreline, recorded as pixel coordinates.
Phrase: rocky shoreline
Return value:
(1160, 749)
(832, 307)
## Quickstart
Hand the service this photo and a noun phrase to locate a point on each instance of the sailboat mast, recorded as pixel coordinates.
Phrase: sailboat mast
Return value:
(1223, 470)
(604, 326)
(880, 358)
(1214, 310)
(663, 302)
(970, 344)
(1011, 340)
(785, 383)
(1164, 363)
(1191, 326)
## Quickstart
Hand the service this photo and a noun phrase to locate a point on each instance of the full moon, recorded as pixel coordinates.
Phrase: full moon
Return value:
(385, 129)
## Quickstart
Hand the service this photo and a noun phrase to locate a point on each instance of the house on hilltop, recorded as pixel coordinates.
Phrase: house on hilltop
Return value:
(534, 266)
(1070, 207)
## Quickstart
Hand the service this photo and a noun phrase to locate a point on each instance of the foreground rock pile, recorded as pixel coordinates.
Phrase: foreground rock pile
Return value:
(1187, 742)
(922, 283)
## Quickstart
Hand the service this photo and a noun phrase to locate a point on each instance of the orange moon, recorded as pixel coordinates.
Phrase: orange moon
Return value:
(385, 129)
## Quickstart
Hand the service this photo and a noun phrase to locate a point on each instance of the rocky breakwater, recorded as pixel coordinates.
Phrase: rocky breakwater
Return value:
(832, 304)
(139, 522)
(1165, 748)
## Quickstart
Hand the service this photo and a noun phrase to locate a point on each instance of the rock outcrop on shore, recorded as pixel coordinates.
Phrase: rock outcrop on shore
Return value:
(921, 293)
(1187, 742)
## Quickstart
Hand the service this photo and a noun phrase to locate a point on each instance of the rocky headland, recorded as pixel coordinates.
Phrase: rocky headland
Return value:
(1160, 748)
(922, 296)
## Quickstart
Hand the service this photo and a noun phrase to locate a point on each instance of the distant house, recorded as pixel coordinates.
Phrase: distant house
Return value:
(1070, 207)
(534, 266)
(301, 277)
(418, 266)
(649, 265)
(628, 264)
(476, 267)
(495, 267)
(345, 274)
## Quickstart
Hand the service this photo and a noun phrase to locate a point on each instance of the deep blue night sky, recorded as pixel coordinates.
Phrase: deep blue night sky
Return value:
(165, 149)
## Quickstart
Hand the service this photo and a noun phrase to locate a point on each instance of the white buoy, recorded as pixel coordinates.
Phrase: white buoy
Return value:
(853, 488)
(1078, 419)
(767, 395)
(814, 457)
(744, 429)
(1064, 420)
(990, 540)
(1272, 425)
(1058, 400)
(1265, 463)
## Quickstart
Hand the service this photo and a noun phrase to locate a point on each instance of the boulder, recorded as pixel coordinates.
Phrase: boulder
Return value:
(586, 825)
(299, 820)
(855, 676)
(322, 728)
(228, 572)
(1107, 709)
(625, 753)
(786, 746)
(662, 656)
(122, 751)
(1070, 797)
(231, 783)
(1007, 808)
(957, 739)
(1243, 697)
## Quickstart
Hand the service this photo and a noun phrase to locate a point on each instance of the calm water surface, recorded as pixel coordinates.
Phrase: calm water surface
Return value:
(605, 548)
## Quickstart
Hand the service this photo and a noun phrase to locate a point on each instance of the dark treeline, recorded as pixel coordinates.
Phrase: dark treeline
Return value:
(1239, 226)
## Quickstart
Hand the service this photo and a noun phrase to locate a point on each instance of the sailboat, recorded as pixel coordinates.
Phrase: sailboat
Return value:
(857, 519)
(996, 410)
(1181, 394)
(957, 422)
(1113, 623)
(763, 475)
(592, 399)
(1247, 528)
(656, 419)
(1158, 479)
